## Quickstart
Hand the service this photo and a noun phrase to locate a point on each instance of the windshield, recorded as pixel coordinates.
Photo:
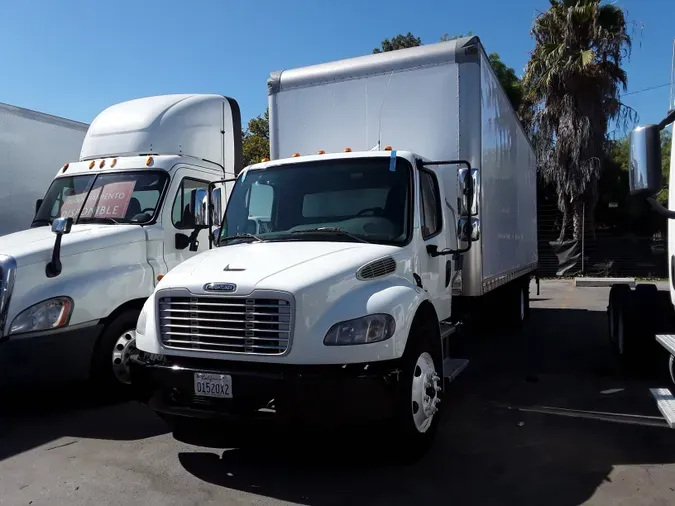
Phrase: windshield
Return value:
(365, 198)
(118, 197)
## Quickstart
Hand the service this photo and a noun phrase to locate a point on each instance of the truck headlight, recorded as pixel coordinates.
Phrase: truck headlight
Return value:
(48, 314)
(367, 329)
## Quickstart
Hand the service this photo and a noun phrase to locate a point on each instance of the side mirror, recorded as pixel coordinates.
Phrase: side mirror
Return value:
(62, 225)
(644, 174)
(38, 203)
(469, 182)
(216, 207)
(198, 206)
(468, 229)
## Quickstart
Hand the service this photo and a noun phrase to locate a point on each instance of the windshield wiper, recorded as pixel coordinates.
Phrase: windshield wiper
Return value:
(240, 236)
(100, 219)
(330, 230)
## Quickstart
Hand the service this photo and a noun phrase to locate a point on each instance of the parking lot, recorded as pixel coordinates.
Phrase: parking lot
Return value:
(541, 418)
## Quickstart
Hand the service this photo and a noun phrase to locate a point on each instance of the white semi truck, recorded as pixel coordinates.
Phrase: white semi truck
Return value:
(400, 199)
(109, 227)
(32, 146)
(641, 323)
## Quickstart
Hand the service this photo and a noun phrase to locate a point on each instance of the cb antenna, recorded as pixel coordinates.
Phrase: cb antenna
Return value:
(379, 121)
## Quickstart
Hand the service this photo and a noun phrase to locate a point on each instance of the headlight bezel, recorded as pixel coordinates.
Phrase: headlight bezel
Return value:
(60, 320)
(387, 322)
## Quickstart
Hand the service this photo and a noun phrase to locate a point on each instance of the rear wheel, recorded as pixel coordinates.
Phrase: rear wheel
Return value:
(618, 295)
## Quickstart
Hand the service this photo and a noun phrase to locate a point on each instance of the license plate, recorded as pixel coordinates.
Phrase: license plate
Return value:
(213, 385)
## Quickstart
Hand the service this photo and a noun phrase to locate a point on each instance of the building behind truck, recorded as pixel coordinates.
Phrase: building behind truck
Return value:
(110, 225)
(400, 201)
(33, 145)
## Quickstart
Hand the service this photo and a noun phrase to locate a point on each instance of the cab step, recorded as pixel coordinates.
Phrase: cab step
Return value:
(667, 341)
(453, 367)
(666, 404)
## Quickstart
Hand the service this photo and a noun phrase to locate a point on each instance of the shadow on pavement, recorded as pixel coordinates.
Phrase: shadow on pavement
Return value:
(485, 452)
(34, 417)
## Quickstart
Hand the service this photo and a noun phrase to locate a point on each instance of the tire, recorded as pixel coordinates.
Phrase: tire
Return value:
(419, 393)
(618, 295)
(111, 354)
(636, 323)
(517, 305)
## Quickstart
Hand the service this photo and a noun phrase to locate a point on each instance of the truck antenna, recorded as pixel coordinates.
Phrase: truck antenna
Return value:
(379, 121)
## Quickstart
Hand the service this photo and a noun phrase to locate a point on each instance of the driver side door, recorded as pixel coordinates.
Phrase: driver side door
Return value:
(187, 204)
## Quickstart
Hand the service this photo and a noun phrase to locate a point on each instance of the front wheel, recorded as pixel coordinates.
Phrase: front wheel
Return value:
(420, 392)
(110, 363)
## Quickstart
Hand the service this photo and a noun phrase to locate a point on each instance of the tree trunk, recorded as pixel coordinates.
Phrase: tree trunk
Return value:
(578, 219)
(565, 221)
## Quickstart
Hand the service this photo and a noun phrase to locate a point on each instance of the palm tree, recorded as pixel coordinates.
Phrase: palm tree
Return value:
(572, 83)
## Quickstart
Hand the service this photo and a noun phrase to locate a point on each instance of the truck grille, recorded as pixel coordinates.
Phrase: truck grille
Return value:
(226, 324)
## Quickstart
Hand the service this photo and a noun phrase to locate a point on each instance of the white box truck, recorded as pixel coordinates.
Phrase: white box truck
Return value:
(641, 323)
(111, 224)
(401, 196)
(33, 145)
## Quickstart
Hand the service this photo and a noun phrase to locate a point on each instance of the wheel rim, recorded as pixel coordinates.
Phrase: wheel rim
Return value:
(122, 350)
(425, 389)
(522, 305)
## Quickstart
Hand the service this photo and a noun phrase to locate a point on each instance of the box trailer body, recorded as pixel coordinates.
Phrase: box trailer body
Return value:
(334, 274)
(443, 102)
(33, 146)
(127, 207)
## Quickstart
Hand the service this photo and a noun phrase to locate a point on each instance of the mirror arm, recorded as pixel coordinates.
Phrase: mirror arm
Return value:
(658, 207)
(670, 117)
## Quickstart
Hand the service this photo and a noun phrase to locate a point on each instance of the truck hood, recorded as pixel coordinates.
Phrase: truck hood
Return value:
(35, 245)
(272, 265)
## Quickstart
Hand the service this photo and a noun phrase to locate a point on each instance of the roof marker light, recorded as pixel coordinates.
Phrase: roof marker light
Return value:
(92, 163)
(348, 150)
(387, 148)
(321, 152)
(295, 155)
(65, 167)
(113, 163)
(102, 164)
(265, 159)
(149, 161)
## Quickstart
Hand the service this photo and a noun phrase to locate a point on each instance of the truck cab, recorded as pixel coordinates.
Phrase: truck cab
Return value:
(109, 227)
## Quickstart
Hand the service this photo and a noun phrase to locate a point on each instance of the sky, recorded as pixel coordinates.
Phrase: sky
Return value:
(73, 58)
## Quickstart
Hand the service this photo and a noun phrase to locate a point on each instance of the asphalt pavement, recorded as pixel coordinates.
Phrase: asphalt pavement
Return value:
(544, 417)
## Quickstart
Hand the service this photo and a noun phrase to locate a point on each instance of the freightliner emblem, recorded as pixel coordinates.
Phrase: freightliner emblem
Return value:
(220, 287)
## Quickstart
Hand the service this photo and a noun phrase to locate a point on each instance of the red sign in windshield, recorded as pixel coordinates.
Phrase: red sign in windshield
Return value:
(110, 201)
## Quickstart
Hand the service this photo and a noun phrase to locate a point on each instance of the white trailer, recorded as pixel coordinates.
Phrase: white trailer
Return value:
(401, 196)
(111, 224)
(33, 145)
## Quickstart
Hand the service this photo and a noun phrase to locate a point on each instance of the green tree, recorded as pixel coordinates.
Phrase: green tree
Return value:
(572, 83)
(256, 139)
(399, 42)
